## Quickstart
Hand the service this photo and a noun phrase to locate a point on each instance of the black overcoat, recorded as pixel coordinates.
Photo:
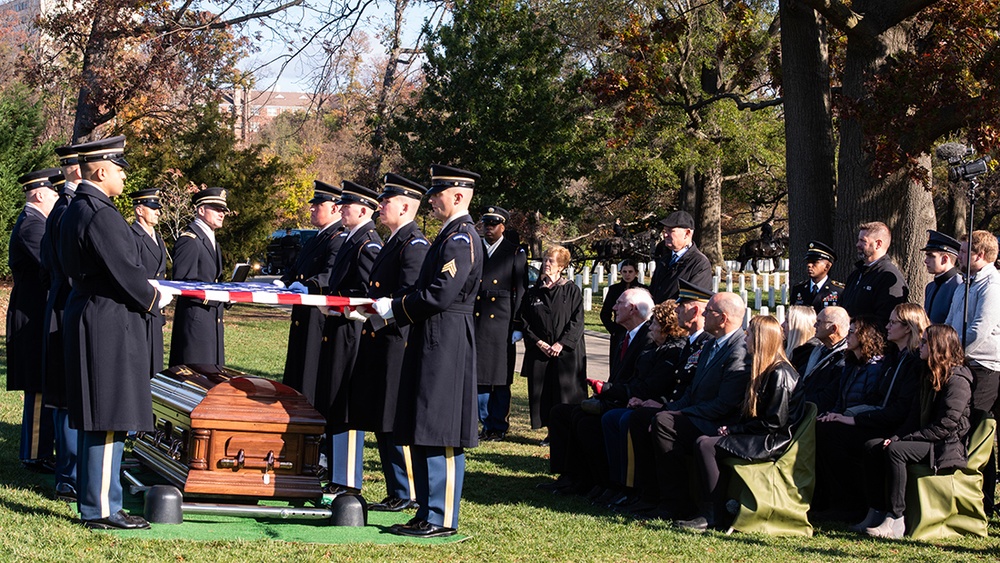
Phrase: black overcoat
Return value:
(198, 335)
(693, 267)
(874, 290)
(153, 253)
(437, 393)
(52, 348)
(505, 277)
(26, 310)
(106, 351)
(312, 269)
(375, 382)
(766, 435)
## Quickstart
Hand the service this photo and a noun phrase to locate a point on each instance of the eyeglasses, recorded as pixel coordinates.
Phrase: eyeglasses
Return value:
(713, 311)
(895, 322)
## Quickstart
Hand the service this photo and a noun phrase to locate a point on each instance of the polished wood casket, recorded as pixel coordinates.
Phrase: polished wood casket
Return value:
(223, 432)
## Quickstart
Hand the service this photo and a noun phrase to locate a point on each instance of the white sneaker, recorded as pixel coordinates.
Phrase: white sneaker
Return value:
(873, 518)
(891, 528)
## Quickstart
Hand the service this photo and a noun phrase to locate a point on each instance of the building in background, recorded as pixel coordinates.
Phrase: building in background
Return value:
(253, 109)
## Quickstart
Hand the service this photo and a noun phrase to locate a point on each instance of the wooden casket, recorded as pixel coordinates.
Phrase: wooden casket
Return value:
(223, 432)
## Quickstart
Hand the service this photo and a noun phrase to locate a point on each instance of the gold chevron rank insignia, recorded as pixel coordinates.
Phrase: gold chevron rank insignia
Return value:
(450, 268)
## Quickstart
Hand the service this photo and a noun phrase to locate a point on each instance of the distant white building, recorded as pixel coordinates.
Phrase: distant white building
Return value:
(253, 109)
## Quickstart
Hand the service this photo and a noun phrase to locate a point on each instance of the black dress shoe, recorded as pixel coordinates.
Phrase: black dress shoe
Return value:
(494, 436)
(395, 528)
(65, 493)
(335, 491)
(42, 466)
(120, 520)
(393, 504)
(423, 529)
(696, 524)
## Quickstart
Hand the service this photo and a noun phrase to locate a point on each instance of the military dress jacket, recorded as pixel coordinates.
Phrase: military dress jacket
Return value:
(693, 267)
(153, 253)
(505, 277)
(106, 351)
(52, 347)
(714, 397)
(198, 335)
(26, 311)
(874, 290)
(375, 382)
(438, 392)
(827, 295)
(312, 269)
(938, 295)
(341, 336)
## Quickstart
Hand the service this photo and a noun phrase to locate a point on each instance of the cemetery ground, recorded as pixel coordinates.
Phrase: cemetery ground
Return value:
(506, 517)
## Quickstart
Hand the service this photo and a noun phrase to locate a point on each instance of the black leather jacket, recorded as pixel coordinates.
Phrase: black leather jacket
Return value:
(765, 436)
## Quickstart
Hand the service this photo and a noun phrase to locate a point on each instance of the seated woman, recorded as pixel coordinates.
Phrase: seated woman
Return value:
(841, 434)
(800, 335)
(934, 433)
(770, 408)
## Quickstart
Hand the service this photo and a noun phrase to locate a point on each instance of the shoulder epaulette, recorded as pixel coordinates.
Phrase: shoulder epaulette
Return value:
(837, 284)
(189, 234)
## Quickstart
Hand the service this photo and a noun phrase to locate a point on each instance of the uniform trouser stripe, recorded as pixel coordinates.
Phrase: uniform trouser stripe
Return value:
(107, 474)
(449, 488)
(408, 461)
(352, 444)
(346, 458)
(36, 425)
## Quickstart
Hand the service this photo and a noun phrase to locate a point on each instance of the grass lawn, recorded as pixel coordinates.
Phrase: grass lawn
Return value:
(506, 517)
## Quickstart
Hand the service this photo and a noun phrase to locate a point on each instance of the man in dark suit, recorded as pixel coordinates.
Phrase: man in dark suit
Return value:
(436, 415)
(712, 400)
(876, 285)
(375, 383)
(505, 277)
(52, 348)
(199, 334)
(153, 253)
(106, 358)
(683, 262)
(820, 380)
(25, 319)
(940, 256)
(311, 274)
(819, 290)
(342, 335)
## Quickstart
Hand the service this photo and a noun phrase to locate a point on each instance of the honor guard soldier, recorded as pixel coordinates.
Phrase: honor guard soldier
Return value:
(25, 319)
(940, 256)
(341, 336)
(820, 291)
(199, 334)
(505, 277)
(52, 350)
(107, 360)
(436, 413)
(375, 383)
(311, 274)
(684, 262)
(153, 253)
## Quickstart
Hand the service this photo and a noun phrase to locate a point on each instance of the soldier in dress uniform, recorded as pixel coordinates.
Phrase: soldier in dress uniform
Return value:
(505, 277)
(25, 319)
(52, 348)
(436, 414)
(311, 274)
(940, 256)
(198, 335)
(819, 291)
(341, 337)
(106, 351)
(375, 383)
(153, 252)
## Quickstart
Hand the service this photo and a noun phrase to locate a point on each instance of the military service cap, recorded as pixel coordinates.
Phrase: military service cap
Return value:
(323, 192)
(67, 155)
(819, 251)
(444, 177)
(494, 215)
(211, 196)
(57, 181)
(398, 185)
(691, 292)
(38, 179)
(941, 242)
(356, 193)
(111, 149)
(148, 197)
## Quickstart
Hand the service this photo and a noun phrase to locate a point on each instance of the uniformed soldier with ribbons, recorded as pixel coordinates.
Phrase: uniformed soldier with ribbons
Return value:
(505, 277)
(311, 274)
(25, 319)
(819, 290)
(375, 384)
(153, 253)
(341, 336)
(106, 350)
(436, 413)
(199, 334)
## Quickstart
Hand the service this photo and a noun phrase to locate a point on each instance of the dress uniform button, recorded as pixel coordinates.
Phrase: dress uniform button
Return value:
(325, 339)
(493, 298)
(376, 284)
(492, 316)
(364, 331)
(495, 282)
(477, 314)
(477, 298)
(296, 323)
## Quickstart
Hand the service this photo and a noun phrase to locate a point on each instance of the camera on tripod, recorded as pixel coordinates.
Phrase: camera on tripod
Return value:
(967, 170)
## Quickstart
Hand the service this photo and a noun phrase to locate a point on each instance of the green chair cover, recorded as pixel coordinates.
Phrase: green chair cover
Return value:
(774, 496)
(951, 505)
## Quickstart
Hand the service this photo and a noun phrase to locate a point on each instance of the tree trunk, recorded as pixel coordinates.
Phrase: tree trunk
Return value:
(87, 111)
(809, 141)
(687, 197)
(708, 234)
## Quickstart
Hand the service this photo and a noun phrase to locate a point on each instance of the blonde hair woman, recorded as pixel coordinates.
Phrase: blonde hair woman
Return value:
(800, 329)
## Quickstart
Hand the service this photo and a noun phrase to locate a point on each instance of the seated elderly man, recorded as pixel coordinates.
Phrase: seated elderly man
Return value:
(581, 463)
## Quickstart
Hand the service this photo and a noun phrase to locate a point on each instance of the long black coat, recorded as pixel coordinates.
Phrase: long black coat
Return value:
(553, 315)
(716, 392)
(505, 277)
(765, 436)
(312, 269)
(375, 382)
(153, 253)
(52, 347)
(341, 336)
(874, 290)
(106, 351)
(437, 392)
(199, 335)
(26, 311)
(693, 267)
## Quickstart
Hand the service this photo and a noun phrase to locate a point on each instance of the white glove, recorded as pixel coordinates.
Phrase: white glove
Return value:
(383, 306)
(515, 336)
(279, 283)
(354, 314)
(329, 311)
(297, 287)
(165, 296)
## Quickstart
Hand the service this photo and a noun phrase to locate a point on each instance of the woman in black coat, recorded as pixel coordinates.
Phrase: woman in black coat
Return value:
(764, 430)
(555, 361)
(934, 433)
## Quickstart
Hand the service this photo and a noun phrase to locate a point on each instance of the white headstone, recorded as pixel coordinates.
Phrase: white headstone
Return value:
(779, 313)
(586, 273)
(764, 310)
(756, 299)
(746, 318)
(588, 299)
(604, 294)
(729, 280)
(579, 280)
(571, 273)
(614, 274)
(595, 281)
(770, 297)
(715, 284)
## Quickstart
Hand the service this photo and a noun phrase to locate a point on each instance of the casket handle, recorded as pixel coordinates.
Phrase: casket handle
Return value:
(270, 461)
(240, 459)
